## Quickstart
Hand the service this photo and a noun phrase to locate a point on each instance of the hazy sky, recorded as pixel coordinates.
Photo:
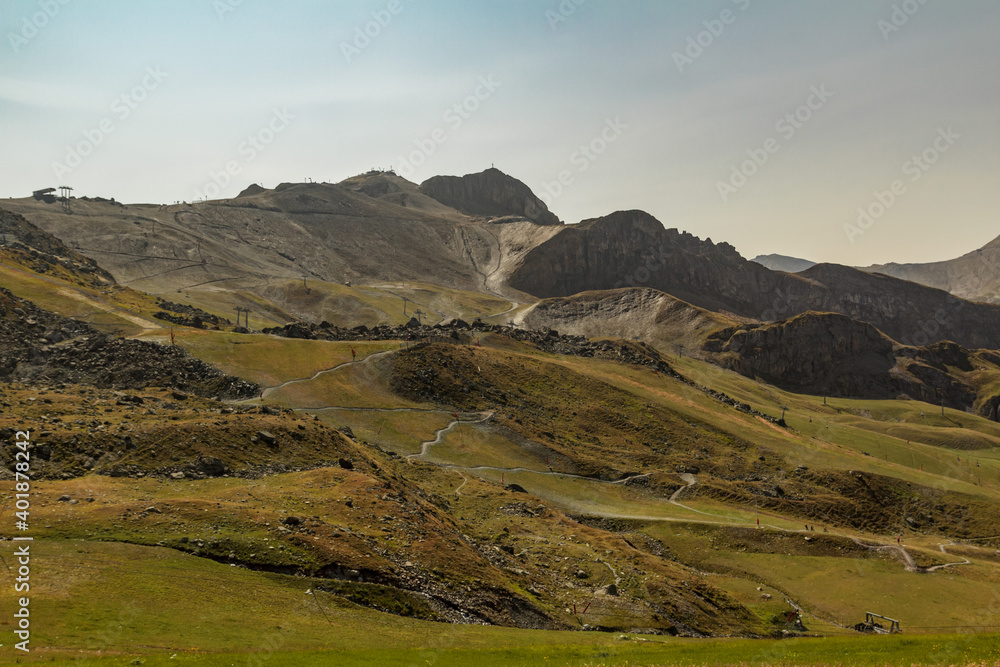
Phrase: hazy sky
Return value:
(762, 123)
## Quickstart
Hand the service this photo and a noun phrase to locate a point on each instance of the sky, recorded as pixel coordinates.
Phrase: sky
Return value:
(848, 131)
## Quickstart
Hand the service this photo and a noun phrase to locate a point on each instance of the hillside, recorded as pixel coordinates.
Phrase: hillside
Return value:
(815, 353)
(46, 254)
(320, 231)
(974, 276)
(424, 478)
(631, 248)
(640, 313)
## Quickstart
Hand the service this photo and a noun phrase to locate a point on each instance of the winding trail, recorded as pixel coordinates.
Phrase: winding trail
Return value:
(908, 562)
(441, 432)
(691, 481)
(965, 561)
(315, 375)
(465, 480)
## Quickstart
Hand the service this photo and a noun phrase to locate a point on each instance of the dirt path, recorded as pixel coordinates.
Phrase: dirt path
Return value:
(904, 555)
(691, 481)
(465, 480)
(964, 561)
(106, 307)
(441, 432)
(315, 375)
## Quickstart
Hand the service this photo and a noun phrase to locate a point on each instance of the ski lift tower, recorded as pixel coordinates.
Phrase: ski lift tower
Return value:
(64, 196)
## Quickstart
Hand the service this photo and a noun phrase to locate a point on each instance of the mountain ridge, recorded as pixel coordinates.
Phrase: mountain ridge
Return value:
(974, 275)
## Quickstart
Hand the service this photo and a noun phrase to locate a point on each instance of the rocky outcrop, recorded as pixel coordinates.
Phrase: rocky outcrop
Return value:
(833, 355)
(38, 345)
(814, 353)
(631, 248)
(489, 193)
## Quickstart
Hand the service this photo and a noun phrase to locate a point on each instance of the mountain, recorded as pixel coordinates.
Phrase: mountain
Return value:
(489, 193)
(378, 228)
(974, 276)
(330, 232)
(631, 248)
(783, 263)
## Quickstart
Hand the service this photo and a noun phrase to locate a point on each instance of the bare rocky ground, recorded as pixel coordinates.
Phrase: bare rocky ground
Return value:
(42, 347)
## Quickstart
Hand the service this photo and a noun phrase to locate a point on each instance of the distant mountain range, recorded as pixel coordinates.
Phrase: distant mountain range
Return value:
(972, 276)
(783, 263)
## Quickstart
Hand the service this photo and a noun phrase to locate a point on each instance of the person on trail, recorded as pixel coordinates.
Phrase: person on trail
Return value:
(353, 354)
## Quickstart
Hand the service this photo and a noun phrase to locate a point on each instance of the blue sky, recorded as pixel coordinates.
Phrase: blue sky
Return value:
(762, 123)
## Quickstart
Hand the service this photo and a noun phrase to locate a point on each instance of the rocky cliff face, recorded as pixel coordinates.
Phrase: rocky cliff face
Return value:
(492, 193)
(631, 248)
(816, 353)
(833, 355)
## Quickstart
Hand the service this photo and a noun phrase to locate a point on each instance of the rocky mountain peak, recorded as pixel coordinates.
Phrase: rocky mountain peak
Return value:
(490, 193)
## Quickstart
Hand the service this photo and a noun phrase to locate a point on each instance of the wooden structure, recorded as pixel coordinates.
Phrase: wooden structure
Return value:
(870, 625)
